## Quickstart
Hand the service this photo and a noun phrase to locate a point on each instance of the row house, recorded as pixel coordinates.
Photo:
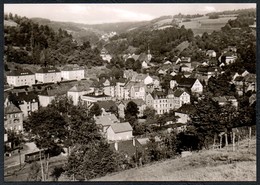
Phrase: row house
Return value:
(20, 77)
(13, 118)
(123, 104)
(77, 91)
(72, 73)
(27, 101)
(48, 75)
(163, 102)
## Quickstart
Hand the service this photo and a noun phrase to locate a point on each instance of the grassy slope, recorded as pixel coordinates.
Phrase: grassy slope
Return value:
(210, 165)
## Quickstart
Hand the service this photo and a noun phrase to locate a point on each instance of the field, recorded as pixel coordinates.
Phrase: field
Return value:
(204, 24)
(207, 165)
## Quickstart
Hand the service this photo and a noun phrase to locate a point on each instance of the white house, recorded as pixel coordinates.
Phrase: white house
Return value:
(77, 91)
(48, 75)
(20, 77)
(119, 131)
(72, 73)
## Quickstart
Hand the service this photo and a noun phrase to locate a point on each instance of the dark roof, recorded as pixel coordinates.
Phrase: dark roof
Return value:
(187, 109)
(48, 70)
(127, 147)
(187, 82)
(158, 94)
(26, 96)
(178, 92)
(138, 102)
(10, 109)
(20, 72)
(239, 78)
(106, 104)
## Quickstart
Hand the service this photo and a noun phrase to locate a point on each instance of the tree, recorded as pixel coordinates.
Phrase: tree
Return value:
(34, 172)
(95, 110)
(149, 113)
(91, 155)
(131, 110)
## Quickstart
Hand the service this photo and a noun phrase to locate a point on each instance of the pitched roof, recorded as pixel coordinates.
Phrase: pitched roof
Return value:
(10, 109)
(158, 94)
(138, 102)
(187, 109)
(239, 78)
(72, 68)
(106, 104)
(127, 147)
(178, 92)
(20, 72)
(26, 96)
(187, 82)
(79, 88)
(106, 120)
(121, 127)
(48, 70)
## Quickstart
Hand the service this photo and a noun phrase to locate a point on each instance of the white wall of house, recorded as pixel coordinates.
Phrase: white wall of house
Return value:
(112, 136)
(23, 80)
(72, 75)
(28, 107)
(197, 87)
(148, 80)
(48, 77)
(45, 100)
(183, 118)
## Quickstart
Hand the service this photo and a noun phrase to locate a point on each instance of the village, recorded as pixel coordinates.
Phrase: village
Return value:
(143, 109)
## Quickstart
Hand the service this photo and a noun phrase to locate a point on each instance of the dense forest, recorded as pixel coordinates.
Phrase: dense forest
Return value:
(31, 43)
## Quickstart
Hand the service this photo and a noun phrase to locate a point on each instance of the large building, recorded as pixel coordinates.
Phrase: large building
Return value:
(72, 73)
(13, 118)
(77, 91)
(163, 102)
(48, 75)
(95, 96)
(20, 77)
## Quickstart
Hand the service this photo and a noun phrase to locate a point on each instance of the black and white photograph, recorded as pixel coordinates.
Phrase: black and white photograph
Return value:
(129, 92)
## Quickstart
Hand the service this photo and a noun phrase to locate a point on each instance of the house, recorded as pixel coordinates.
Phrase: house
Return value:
(129, 74)
(134, 90)
(77, 91)
(207, 71)
(175, 60)
(48, 95)
(72, 73)
(252, 99)
(145, 65)
(129, 148)
(184, 113)
(107, 107)
(223, 100)
(230, 57)
(119, 131)
(192, 84)
(163, 101)
(28, 102)
(211, 53)
(20, 77)
(104, 121)
(13, 118)
(122, 106)
(105, 56)
(181, 97)
(48, 75)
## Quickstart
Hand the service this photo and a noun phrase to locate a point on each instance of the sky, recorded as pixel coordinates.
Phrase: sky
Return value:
(108, 13)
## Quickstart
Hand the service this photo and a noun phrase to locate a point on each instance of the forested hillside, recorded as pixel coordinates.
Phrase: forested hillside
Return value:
(30, 43)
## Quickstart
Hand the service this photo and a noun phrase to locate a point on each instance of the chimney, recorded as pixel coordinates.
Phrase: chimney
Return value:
(116, 146)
